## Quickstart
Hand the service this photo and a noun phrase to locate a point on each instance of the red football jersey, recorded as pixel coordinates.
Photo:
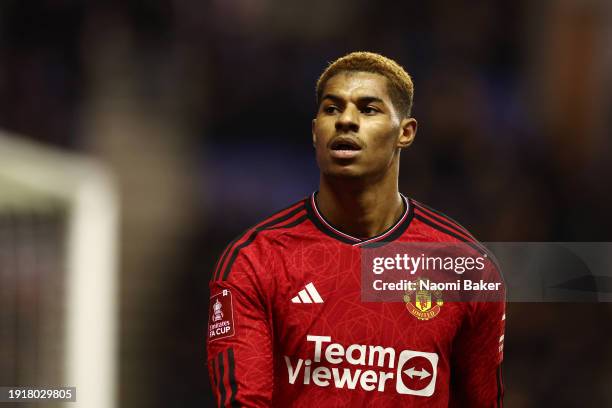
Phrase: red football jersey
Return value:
(287, 326)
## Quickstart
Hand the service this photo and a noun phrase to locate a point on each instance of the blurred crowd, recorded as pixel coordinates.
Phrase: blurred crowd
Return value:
(203, 110)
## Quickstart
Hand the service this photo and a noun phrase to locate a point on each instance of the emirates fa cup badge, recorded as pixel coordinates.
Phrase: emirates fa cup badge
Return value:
(221, 316)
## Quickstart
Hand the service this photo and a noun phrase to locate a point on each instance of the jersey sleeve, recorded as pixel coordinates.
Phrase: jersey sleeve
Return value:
(476, 378)
(239, 344)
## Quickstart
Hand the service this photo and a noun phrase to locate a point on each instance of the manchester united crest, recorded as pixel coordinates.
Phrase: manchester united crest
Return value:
(420, 303)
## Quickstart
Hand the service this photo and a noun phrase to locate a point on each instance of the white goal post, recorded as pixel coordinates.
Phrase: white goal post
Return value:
(31, 175)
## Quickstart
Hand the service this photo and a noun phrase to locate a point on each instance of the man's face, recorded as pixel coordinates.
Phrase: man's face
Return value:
(357, 131)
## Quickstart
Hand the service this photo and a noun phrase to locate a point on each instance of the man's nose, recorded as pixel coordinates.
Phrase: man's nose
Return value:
(348, 120)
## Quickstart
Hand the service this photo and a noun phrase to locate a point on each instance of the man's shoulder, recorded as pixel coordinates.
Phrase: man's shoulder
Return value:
(439, 224)
(262, 233)
(439, 227)
(256, 240)
(280, 221)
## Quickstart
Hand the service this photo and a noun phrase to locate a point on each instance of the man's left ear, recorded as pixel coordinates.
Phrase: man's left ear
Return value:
(408, 128)
(314, 136)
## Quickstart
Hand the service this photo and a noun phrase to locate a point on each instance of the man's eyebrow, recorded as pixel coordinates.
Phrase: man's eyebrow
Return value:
(362, 99)
(368, 99)
(334, 98)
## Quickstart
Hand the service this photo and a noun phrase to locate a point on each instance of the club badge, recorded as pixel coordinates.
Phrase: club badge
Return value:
(423, 307)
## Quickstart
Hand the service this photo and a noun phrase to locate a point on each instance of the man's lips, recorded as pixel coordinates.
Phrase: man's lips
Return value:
(345, 147)
(344, 154)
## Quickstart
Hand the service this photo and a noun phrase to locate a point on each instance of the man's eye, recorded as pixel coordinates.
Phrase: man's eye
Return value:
(330, 109)
(369, 110)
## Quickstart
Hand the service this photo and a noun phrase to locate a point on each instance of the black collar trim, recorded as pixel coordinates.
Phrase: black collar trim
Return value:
(391, 234)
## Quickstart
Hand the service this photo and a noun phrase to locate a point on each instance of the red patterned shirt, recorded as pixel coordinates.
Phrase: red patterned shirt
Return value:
(287, 326)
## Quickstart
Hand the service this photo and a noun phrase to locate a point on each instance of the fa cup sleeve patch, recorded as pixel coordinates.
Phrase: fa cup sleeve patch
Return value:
(221, 316)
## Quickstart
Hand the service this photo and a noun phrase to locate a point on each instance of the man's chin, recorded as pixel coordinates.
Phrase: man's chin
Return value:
(348, 172)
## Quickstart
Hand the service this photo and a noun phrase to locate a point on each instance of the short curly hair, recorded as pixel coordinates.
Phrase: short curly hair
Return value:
(400, 86)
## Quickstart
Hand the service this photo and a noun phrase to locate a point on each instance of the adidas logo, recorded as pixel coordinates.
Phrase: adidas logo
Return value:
(303, 295)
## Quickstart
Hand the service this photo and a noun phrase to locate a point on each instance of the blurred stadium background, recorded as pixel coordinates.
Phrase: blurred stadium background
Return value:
(141, 136)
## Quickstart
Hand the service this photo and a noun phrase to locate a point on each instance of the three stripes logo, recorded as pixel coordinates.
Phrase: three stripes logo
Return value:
(308, 295)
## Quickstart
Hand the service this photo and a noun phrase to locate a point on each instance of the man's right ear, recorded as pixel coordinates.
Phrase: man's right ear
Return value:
(314, 135)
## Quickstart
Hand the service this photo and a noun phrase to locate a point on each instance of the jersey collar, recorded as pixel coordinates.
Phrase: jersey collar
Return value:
(391, 234)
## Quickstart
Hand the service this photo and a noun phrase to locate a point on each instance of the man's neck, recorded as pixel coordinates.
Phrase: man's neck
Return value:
(360, 209)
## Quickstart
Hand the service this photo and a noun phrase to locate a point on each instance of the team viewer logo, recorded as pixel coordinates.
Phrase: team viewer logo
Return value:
(364, 367)
(423, 308)
(221, 316)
